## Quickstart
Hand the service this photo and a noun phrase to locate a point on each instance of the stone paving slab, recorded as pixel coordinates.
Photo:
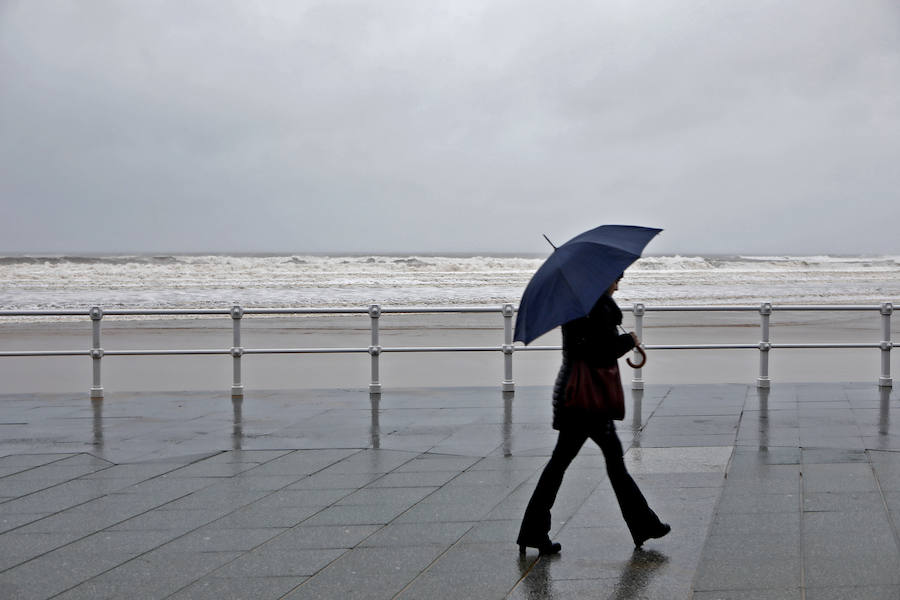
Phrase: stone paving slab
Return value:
(792, 492)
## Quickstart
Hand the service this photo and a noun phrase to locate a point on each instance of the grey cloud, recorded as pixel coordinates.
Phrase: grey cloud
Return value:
(325, 126)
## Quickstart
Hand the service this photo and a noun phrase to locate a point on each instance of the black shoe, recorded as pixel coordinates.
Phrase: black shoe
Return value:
(657, 532)
(545, 549)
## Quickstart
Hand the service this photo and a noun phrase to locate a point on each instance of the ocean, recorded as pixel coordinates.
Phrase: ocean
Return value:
(273, 281)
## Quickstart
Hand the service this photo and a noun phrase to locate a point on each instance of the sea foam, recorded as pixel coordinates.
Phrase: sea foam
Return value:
(175, 281)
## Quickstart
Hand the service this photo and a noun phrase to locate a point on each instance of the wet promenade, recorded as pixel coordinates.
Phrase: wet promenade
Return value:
(787, 494)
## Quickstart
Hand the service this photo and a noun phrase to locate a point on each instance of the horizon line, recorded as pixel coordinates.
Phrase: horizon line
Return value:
(430, 253)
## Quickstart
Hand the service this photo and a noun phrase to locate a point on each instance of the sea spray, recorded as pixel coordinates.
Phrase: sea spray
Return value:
(314, 281)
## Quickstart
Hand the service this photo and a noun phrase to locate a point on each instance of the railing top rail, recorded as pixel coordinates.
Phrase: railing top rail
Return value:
(116, 311)
(45, 313)
(437, 309)
(383, 309)
(408, 349)
(253, 311)
(825, 307)
(306, 311)
(166, 311)
(694, 308)
(755, 307)
(443, 309)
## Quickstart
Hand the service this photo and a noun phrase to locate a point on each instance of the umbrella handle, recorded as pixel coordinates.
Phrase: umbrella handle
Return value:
(640, 350)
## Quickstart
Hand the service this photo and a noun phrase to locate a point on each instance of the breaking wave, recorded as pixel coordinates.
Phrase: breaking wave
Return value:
(215, 281)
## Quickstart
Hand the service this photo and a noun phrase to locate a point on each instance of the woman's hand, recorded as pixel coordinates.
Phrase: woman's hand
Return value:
(634, 336)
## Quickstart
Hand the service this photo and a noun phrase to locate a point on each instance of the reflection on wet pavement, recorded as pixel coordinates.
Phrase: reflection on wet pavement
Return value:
(780, 493)
(638, 573)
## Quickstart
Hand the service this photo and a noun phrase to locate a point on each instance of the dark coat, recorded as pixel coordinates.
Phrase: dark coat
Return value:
(595, 339)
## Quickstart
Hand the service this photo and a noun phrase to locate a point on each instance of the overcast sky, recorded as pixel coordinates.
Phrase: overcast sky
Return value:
(748, 126)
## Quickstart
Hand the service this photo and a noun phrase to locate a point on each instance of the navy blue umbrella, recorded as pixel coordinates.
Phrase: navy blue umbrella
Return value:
(570, 282)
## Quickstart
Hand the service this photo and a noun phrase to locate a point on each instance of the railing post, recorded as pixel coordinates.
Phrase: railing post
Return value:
(885, 380)
(96, 351)
(637, 380)
(508, 384)
(375, 349)
(765, 312)
(237, 351)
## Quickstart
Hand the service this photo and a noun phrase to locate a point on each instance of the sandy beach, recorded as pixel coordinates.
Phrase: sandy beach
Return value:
(72, 374)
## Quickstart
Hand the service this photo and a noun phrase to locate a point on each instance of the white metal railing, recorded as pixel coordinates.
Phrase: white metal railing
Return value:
(508, 348)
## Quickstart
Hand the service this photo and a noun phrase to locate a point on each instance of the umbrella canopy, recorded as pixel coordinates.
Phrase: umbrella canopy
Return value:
(570, 282)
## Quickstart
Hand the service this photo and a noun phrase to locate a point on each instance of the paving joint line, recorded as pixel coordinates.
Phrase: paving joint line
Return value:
(382, 526)
(156, 508)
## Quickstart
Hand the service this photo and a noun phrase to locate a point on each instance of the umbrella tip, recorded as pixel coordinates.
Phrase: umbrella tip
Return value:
(548, 240)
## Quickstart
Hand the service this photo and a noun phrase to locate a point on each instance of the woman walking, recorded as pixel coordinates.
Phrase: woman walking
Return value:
(593, 339)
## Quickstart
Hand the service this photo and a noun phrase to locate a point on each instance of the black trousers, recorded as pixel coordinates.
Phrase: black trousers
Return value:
(638, 515)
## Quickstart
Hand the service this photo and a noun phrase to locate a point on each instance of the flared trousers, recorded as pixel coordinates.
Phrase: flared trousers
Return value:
(638, 516)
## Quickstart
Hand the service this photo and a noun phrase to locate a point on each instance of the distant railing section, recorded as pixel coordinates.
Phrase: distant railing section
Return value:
(508, 348)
